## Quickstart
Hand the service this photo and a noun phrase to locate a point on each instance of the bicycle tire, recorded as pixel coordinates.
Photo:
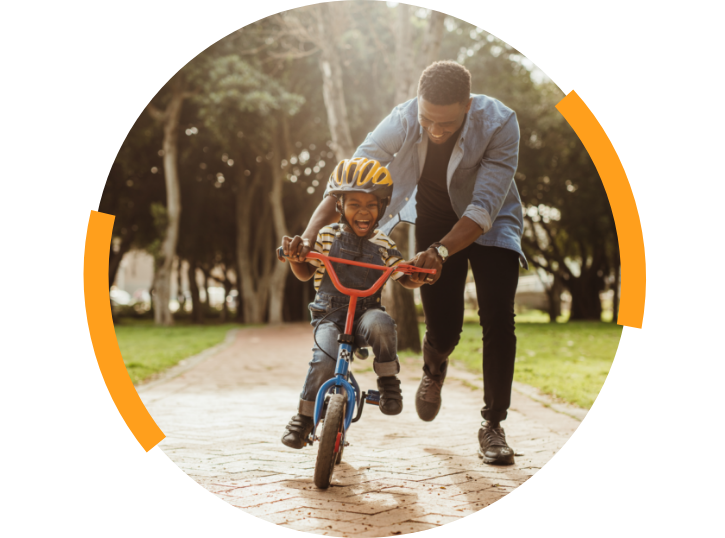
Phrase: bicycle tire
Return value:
(331, 427)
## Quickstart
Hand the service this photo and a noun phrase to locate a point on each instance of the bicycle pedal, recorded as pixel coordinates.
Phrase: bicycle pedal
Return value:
(373, 397)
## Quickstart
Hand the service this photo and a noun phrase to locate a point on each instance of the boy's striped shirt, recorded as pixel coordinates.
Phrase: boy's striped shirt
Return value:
(323, 244)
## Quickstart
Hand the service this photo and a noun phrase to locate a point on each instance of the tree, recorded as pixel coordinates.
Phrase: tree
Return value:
(237, 97)
(169, 118)
(131, 188)
(569, 229)
(320, 25)
(407, 73)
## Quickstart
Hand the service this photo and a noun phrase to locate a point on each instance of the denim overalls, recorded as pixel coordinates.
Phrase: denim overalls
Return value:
(372, 326)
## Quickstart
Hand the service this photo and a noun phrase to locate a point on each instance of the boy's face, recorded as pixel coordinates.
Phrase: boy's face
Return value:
(361, 211)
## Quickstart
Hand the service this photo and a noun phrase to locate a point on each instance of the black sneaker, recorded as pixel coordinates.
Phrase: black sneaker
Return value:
(391, 397)
(428, 397)
(493, 448)
(297, 431)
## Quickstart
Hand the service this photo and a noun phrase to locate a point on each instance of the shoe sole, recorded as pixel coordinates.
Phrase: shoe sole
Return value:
(426, 415)
(495, 461)
(426, 418)
(293, 446)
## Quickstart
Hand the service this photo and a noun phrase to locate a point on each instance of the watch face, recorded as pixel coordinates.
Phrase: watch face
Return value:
(443, 251)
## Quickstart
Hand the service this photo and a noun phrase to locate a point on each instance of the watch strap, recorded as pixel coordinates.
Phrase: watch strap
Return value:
(435, 246)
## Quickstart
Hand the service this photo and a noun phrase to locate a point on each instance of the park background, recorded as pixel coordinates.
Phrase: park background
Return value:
(235, 150)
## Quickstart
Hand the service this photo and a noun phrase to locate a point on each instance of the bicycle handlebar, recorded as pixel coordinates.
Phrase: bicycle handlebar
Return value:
(387, 271)
(400, 268)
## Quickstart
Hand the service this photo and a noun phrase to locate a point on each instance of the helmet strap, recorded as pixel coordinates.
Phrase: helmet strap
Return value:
(340, 208)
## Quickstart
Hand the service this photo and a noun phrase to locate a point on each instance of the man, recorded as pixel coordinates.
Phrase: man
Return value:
(453, 157)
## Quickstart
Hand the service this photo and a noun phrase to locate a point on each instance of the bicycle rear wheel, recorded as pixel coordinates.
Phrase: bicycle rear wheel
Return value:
(330, 441)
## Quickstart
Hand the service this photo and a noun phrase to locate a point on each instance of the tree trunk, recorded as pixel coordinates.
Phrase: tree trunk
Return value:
(167, 251)
(180, 297)
(225, 309)
(400, 302)
(114, 262)
(239, 304)
(115, 257)
(403, 55)
(553, 293)
(197, 309)
(430, 50)
(585, 301)
(279, 273)
(617, 285)
(207, 285)
(253, 280)
(332, 89)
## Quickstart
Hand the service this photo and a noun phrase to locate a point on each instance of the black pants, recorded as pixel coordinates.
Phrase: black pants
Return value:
(496, 274)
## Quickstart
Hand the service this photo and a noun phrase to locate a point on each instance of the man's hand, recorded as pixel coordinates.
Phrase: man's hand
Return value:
(295, 248)
(428, 259)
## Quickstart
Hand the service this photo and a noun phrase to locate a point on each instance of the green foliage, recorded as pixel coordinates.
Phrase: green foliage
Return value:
(135, 181)
(569, 361)
(255, 103)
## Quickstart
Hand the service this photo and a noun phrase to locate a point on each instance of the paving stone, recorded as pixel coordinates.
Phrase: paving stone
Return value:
(224, 417)
(436, 519)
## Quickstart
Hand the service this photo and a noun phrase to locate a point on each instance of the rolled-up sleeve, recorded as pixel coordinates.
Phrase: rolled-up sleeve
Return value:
(385, 141)
(495, 175)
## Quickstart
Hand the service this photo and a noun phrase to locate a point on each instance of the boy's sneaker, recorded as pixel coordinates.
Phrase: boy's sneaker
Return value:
(493, 448)
(391, 397)
(297, 431)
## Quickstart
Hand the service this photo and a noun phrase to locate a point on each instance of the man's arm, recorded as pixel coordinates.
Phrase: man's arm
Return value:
(495, 175)
(463, 233)
(385, 141)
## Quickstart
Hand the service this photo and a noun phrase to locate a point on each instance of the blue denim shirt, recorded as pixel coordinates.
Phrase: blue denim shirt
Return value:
(480, 172)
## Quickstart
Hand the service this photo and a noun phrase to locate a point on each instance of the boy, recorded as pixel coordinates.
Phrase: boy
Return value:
(363, 188)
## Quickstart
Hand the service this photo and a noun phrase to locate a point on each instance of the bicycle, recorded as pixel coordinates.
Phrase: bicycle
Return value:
(336, 407)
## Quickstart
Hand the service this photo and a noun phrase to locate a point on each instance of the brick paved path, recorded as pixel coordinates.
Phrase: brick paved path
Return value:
(224, 417)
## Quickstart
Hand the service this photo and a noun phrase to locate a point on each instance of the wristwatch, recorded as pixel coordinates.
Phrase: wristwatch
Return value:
(442, 251)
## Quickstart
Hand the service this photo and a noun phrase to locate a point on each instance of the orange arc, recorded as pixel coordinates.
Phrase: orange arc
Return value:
(103, 335)
(624, 208)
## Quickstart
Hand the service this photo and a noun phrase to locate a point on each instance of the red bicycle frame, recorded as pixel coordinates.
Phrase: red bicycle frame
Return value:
(355, 294)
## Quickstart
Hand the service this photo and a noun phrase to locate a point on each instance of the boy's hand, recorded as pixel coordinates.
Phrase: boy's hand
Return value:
(295, 248)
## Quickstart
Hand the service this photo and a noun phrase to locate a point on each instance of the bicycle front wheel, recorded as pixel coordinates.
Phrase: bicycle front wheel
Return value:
(330, 441)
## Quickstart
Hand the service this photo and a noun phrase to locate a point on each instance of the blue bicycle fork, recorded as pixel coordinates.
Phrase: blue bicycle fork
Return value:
(338, 382)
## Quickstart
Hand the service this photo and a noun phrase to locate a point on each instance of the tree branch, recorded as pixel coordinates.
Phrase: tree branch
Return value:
(556, 253)
(291, 55)
(155, 113)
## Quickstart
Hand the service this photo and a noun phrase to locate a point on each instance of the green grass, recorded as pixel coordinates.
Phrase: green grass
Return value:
(568, 361)
(148, 349)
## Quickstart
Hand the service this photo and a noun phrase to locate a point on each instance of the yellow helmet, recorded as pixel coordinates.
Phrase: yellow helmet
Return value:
(361, 175)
